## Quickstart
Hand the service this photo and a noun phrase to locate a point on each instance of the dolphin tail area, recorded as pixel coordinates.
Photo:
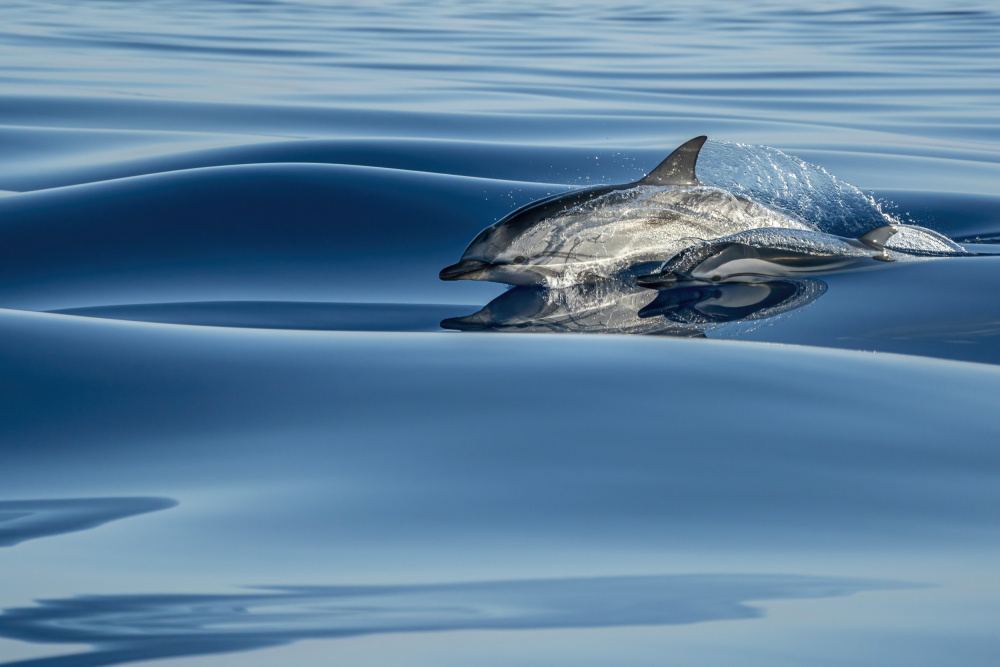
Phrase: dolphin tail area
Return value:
(877, 237)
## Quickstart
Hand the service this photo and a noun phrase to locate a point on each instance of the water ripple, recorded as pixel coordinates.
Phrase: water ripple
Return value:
(126, 628)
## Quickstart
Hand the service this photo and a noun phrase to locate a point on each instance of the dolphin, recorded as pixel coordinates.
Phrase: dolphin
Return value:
(761, 255)
(748, 257)
(600, 231)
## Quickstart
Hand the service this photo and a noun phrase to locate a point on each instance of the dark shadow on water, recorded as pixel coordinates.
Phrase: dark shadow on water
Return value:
(127, 628)
(279, 315)
(22, 520)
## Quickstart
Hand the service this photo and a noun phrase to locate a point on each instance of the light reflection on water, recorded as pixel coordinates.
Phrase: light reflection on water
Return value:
(730, 58)
(900, 77)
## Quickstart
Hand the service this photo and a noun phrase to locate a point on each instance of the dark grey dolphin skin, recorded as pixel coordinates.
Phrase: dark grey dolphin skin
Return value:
(482, 255)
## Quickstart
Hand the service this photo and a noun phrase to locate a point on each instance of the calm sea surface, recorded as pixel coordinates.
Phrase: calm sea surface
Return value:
(232, 431)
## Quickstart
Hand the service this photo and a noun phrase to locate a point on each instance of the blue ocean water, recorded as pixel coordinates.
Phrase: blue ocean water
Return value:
(233, 431)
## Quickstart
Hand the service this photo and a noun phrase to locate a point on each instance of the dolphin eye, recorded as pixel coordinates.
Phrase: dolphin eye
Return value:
(520, 259)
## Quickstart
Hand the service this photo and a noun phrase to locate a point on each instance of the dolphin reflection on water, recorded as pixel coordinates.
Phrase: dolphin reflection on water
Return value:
(706, 305)
(617, 307)
(576, 260)
(604, 307)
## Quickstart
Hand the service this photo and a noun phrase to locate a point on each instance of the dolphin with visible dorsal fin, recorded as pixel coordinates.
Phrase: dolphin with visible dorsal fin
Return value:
(616, 231)
(598, 231)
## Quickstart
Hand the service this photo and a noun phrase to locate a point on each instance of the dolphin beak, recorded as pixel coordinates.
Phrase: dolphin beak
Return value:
(474, 322)
(467, 269)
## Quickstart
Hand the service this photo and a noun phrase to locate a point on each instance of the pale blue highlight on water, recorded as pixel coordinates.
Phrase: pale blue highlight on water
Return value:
(230, 422)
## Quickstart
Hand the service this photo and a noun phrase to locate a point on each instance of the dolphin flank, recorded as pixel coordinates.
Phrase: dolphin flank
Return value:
(599, 232)
(760, 255)
(750, 256)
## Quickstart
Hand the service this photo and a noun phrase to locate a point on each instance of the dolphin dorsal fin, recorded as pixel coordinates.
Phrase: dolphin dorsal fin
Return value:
(678, 168)
(877, 237)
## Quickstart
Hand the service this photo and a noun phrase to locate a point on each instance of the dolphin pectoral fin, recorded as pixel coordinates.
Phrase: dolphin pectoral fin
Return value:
(678, 168)
(877, 237)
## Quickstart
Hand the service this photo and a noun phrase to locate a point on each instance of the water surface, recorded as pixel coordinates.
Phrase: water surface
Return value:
(234, 432)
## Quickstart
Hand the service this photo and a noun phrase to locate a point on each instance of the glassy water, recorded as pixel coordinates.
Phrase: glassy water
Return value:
(234, 431)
